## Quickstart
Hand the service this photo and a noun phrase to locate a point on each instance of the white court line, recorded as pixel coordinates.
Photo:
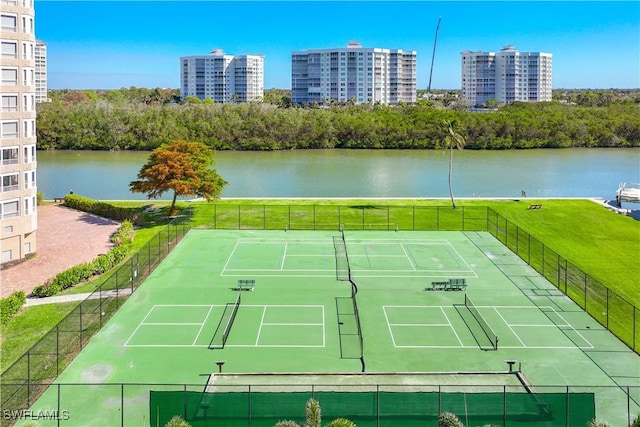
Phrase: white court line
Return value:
(264, 312)
(451, 326)
(170, 324)
(384, 309)
(509, 326)
(292, 324)
(138, 327)
(420, 324)
(574, 329)
(462, 258)
(202, 326)
(408, 257)
(326, 241)
(233, 251)
(284, 256)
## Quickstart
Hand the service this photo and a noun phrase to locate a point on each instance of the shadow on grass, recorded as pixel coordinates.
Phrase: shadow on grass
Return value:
(363, 207)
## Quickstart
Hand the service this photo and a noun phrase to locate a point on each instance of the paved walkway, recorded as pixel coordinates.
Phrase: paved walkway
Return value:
(65, 238)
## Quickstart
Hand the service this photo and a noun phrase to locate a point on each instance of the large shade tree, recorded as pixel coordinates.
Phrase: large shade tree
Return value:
(182, 166)
(451, 141)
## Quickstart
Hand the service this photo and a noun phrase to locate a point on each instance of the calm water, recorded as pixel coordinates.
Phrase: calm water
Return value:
(361, 173)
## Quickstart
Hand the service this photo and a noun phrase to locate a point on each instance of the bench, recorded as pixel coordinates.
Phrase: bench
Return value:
(245, 285)
(457, 285)
(58, 199)
(449, 285)
(534, 206)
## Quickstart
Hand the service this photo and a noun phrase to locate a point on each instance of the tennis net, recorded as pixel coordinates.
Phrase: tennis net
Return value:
(227, 328)
(493, 338)
(346, 254)
(221, 334)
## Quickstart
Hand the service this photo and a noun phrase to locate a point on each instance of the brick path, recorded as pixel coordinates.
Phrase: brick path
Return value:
(65, 238)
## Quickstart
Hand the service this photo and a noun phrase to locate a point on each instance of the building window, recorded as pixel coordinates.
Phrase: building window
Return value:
(9, 182)
(10, 156)
(9, 103)
(9, 209)
(29, 154)
(6, 255)
(10, 50)
(9, 76)
(9, 130)
(27, 248)
(9, 23)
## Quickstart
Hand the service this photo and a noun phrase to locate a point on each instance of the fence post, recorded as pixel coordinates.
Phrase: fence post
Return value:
(121, 404)
(585, 292)
(239, 217)
(57, 350)
(80, 325)
(249, 405)
(29, 378)
(378, 405)
(504, 405)
(264, 217)
(184, 401)
(567, 408)
(58, 417)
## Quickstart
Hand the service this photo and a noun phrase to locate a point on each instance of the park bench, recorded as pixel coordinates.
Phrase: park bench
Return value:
(245, 285)
(534, 207)
(58, 199)
(449, 285)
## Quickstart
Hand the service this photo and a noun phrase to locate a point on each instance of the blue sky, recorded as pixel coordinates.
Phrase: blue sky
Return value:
(114, 44)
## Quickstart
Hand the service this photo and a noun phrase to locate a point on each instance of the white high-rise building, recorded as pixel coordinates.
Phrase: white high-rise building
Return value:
(18, 213)
(353, 74)
(222, 78)
(41, 72)
(506, 76)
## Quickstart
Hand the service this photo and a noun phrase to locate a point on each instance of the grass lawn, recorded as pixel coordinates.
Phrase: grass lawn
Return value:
(27, 327)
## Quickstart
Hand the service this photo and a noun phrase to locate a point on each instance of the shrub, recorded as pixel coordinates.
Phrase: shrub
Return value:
(10, 305)
(102, 209)
(341, 422)
(177, 421)
(636, 421)
(596, 423)
(39, 198)
(447, 419)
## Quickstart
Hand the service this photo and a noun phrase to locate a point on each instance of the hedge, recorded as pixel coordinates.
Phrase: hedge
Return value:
(10, 305)
(102, 209)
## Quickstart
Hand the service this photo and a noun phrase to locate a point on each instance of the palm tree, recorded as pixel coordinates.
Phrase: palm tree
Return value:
(451, 141)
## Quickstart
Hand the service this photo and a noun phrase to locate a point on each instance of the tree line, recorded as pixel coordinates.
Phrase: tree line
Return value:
(155, 117)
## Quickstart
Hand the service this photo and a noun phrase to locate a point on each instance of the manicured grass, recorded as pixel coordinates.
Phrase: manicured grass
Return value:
(27, 327)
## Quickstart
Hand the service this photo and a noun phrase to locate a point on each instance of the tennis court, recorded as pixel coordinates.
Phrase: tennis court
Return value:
(280, 309)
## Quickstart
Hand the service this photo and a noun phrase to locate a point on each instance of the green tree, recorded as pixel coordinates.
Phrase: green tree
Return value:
(451, 141)
(181, 166)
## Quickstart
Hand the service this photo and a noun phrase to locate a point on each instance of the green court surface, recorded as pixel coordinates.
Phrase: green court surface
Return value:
(297, 321)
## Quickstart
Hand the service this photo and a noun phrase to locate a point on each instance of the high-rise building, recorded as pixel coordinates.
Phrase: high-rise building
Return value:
(41, 72)
(506, 76)
(223, 78)
(18, 214)
(353, 74)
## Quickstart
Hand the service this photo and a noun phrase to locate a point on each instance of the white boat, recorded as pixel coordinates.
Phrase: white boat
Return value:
(628, 192)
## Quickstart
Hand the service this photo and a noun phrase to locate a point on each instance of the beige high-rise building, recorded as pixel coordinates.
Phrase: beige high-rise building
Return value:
(18, 191)
(353, 74)
(222, 78)
(506, 76)
(41, 72)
